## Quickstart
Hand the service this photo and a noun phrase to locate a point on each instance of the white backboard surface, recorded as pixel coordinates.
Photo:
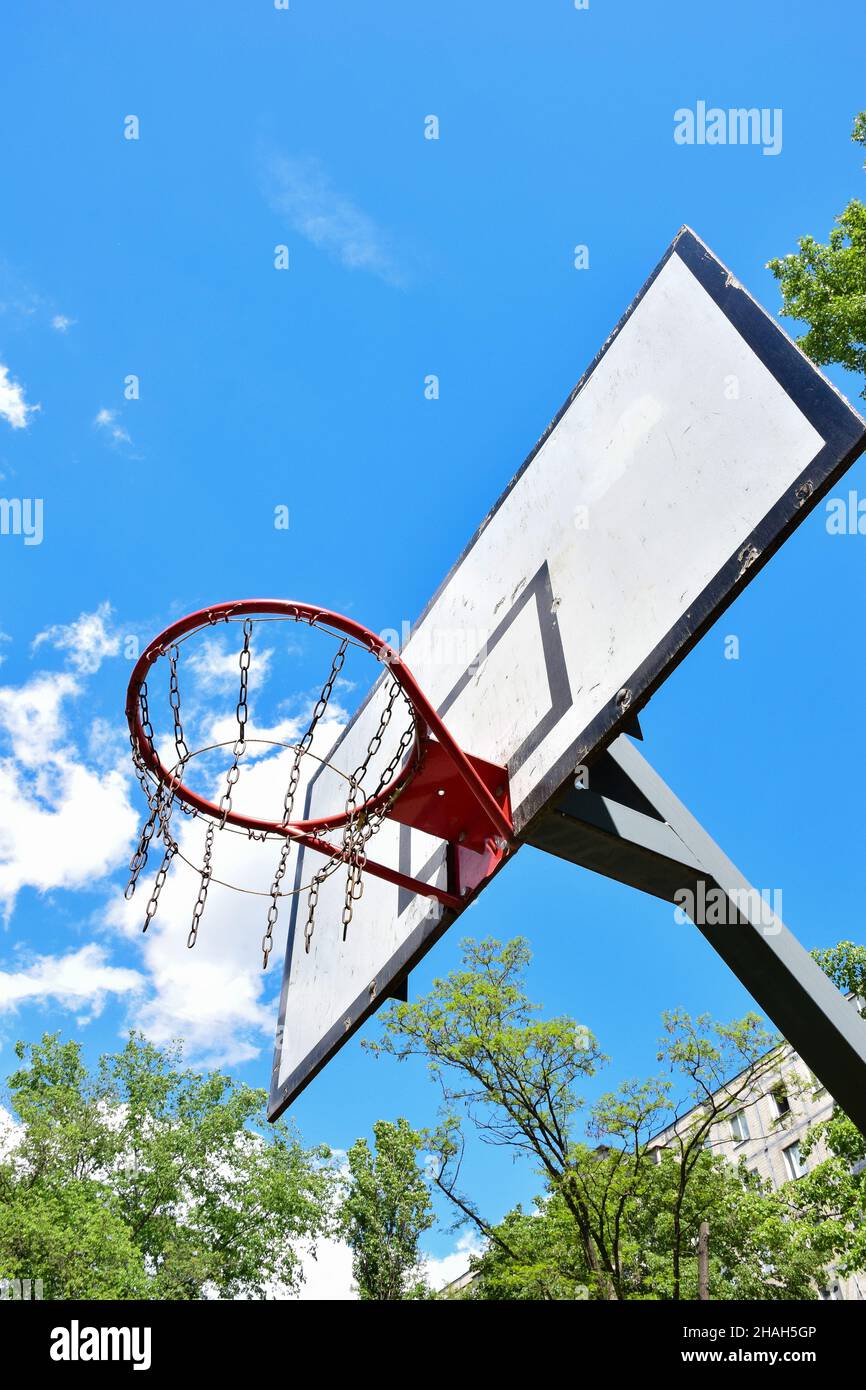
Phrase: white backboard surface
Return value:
(692, 447)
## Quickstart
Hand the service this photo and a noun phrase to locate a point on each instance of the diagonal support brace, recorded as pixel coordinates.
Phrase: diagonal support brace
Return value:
(629, 825)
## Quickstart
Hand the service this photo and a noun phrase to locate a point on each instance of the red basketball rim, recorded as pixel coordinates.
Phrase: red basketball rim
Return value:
(298, 612)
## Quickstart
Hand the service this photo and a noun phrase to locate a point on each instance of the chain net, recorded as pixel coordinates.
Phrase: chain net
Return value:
(364, 811)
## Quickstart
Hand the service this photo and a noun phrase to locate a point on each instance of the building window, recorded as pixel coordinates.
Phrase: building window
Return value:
(739, 1126)
(780, 1101)
(793, 1162)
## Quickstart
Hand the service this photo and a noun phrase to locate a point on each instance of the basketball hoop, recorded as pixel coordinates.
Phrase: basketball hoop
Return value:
(428, 783)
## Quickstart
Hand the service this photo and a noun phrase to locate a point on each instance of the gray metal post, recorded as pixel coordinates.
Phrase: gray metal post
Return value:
(630, 826)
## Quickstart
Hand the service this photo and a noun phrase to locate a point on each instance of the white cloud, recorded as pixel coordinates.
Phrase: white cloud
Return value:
(13, 407)
(10, 1133)
(61, 323)
(31, 716)
(65, 828)
(107, 744)
(441, 1271)
(210, 996)
(224, 728)
(88, 640)
(215, 664)
(301, 191)
(80, 978)
(327, 1273)
(107, 420)
(63, 824)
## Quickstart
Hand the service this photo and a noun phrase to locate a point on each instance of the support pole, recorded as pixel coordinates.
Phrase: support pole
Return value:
(630, 826)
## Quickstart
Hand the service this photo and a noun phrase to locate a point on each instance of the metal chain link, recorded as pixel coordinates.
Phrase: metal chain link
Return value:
(273, 908)
(312, 901)
(289, 799)
(139, 858)
(360, 828)
(242, 711)
(174, 701)
(161, 800)
(200, 901)
(159, 883)
(359, 831)
(304, 746)
(373, 747)
(146, 726)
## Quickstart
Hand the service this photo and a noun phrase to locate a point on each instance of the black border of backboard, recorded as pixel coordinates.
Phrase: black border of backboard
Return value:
(844, 436)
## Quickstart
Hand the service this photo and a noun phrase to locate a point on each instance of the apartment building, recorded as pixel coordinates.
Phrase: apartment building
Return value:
(765, 1130)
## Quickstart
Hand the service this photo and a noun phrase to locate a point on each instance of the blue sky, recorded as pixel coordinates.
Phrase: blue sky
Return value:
(408, 256)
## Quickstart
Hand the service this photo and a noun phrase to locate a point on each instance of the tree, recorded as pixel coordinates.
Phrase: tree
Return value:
(532, 1256)
(706, 1055)
(627, 1216)
(756, 1250)
(845, 963)
(824, 285)
(512, 1073)
(385, 1210)
(149, 1180)
(833, 1193)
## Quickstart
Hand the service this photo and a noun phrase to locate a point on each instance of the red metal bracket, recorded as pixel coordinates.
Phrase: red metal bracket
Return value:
(439, 801)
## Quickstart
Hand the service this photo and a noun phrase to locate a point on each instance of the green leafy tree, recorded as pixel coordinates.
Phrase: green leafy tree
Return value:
(757, 1251)
(845, 963)
(150, 1180)
(720, 1067)
(634, 1215)
(532, 1256)
(385, 1210)
(824, 285)
(512, 1073)
(833, 1193)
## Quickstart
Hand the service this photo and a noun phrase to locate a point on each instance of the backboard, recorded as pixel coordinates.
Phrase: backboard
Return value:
(695, 443)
